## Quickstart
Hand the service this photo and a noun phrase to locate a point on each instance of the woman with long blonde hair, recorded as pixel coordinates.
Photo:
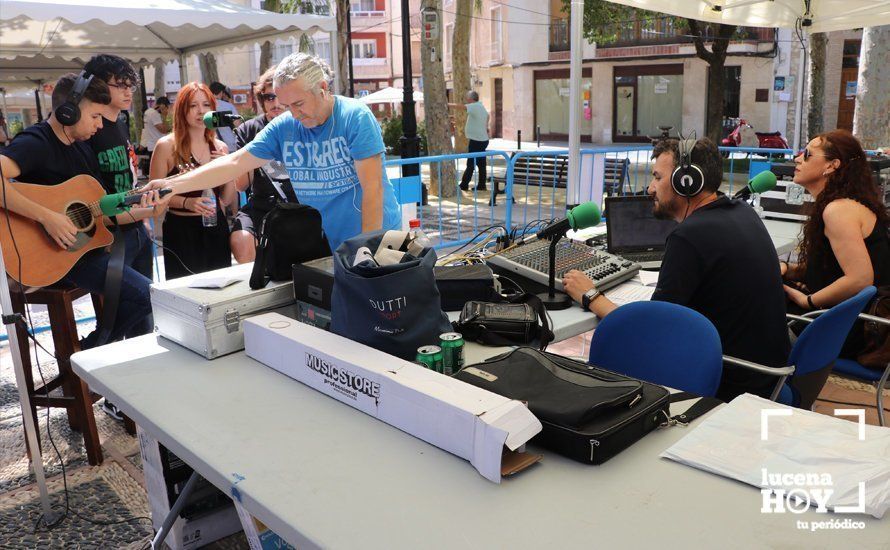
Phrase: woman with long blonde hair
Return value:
(189, 245)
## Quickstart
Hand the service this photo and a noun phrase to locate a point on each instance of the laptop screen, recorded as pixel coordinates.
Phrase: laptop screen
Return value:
(632, 225)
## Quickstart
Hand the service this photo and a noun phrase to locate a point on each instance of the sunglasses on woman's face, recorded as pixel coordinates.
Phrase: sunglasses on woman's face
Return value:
(267, 97)
(807, 154)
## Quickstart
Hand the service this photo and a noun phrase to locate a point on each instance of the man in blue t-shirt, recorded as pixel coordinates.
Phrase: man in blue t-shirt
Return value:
(331, 146)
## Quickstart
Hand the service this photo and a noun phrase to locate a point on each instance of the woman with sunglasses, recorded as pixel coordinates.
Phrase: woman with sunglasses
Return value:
(266, 186)
(845, 245)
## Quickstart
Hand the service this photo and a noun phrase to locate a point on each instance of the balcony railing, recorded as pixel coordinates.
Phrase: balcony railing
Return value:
(368, 14)
(559, 35)
(669, 30)
(317, 7)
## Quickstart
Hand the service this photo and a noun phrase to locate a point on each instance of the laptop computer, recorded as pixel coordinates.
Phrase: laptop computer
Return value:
(633, 231)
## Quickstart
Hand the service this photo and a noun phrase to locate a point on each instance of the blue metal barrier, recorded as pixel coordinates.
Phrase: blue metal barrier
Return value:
(445, 219)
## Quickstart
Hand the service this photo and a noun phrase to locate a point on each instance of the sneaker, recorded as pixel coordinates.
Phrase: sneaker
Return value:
(464, 187)
(112, 410)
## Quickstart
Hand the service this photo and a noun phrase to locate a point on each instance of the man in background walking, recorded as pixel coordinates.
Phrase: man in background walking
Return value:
(476, 130)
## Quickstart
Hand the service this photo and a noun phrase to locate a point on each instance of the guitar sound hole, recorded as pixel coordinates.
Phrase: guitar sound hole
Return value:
(79, 214)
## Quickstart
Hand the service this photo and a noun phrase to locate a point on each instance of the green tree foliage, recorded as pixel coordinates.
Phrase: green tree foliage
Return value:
(392, 132)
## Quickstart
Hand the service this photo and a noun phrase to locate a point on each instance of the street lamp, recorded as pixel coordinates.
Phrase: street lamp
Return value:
(409, 143)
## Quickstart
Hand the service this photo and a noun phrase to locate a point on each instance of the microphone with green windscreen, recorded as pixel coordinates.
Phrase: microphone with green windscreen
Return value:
(761, 183)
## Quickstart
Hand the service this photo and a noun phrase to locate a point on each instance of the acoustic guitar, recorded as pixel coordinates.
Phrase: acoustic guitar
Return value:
(33, 258)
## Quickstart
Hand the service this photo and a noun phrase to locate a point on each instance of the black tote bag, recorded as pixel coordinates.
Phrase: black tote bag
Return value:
(394, 308)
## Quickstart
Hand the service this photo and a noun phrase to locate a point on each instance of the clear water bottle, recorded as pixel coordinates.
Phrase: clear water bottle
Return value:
(209, 198)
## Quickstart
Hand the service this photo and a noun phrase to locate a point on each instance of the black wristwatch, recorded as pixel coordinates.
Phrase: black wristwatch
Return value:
(588, 297)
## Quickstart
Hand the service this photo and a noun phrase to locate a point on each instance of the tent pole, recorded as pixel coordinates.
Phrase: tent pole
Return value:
(5, 114)
(572, 193)
(183, 72)
(335, 53)
(9, 320)
(801, 82)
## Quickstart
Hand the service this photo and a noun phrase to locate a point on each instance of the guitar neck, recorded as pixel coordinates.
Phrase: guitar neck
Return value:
(96, 211)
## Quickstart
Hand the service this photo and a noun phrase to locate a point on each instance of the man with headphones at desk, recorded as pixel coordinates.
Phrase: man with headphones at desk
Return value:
(719, 261)
(53, 151)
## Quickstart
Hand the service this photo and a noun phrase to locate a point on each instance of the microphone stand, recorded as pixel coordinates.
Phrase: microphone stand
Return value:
(554, 300)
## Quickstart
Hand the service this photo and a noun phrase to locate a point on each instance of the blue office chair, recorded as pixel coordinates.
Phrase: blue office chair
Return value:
(853, 369)
(814, 353)
(660, 342)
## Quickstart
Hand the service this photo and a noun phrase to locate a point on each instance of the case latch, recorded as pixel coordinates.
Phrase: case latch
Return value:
(232, 320)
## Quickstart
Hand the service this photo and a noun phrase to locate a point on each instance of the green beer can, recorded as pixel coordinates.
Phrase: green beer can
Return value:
(431, 357)
(452, 344)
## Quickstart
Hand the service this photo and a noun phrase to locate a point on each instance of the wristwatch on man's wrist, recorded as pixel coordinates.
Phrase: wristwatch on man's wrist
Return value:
(588, 297)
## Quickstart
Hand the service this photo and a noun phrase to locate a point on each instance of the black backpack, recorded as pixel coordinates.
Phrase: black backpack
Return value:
(290, 233)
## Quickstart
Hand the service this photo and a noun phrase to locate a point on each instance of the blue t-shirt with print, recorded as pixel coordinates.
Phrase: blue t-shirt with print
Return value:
(321, 164)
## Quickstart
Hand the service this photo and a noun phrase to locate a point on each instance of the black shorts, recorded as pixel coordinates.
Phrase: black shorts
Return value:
(249, 219)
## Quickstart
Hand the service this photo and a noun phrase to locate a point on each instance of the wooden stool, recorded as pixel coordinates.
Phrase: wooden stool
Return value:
(75, 395)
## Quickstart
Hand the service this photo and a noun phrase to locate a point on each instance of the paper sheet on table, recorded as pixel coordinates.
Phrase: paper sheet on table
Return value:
(648, 278)
(626, 293)
(729, 443)
(213, 282)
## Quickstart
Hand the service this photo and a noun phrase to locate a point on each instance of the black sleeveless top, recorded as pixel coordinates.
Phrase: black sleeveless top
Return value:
(823, 268)
(175, 170)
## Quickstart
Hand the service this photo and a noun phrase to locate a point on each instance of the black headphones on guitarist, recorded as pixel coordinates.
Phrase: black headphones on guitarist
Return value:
(68, 113)
(687, 179)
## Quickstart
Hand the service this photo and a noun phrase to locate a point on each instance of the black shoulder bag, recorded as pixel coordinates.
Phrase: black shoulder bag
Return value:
(291, 233)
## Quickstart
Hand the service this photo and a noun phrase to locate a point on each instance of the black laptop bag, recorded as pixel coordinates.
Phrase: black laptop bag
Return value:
(589, 414)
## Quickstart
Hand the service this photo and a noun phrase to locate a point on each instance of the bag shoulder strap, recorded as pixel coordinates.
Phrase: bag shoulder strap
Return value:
(111, 294)
(258, 276)
(699, 408)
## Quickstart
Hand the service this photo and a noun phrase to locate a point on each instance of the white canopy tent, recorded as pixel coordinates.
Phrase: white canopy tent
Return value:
(822, 15)
(810, 15)
(42, 36)
(390, 95)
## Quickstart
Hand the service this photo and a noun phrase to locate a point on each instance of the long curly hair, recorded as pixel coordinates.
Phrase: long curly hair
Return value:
(852, 180)
(182, 144)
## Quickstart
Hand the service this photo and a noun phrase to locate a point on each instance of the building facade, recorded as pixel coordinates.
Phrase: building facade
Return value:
(647, 78)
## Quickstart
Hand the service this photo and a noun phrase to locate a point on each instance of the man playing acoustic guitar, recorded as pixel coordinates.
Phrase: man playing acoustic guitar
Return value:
(49, 153)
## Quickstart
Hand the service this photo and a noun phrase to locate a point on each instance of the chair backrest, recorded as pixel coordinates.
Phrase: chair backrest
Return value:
(819, 344)
(660, 342)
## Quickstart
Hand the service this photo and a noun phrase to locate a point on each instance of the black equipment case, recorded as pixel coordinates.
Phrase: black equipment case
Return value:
(589, 414)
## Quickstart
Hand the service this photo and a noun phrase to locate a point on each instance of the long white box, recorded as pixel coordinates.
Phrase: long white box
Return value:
(472, 423)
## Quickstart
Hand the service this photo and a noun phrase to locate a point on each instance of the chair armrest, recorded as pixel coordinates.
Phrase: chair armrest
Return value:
(757, 367)
(873, 319)
(782, 372)
(807, 317)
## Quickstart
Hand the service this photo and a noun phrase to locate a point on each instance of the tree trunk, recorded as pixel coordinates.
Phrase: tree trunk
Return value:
(265, 56)
(160, 87)
(438, 128)
(872, 106)
(209, 73)
(716, 83)
(138, 108)
(306, 44)
(816, 84)
(342, 62)
(460, 68)
(716, 59)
